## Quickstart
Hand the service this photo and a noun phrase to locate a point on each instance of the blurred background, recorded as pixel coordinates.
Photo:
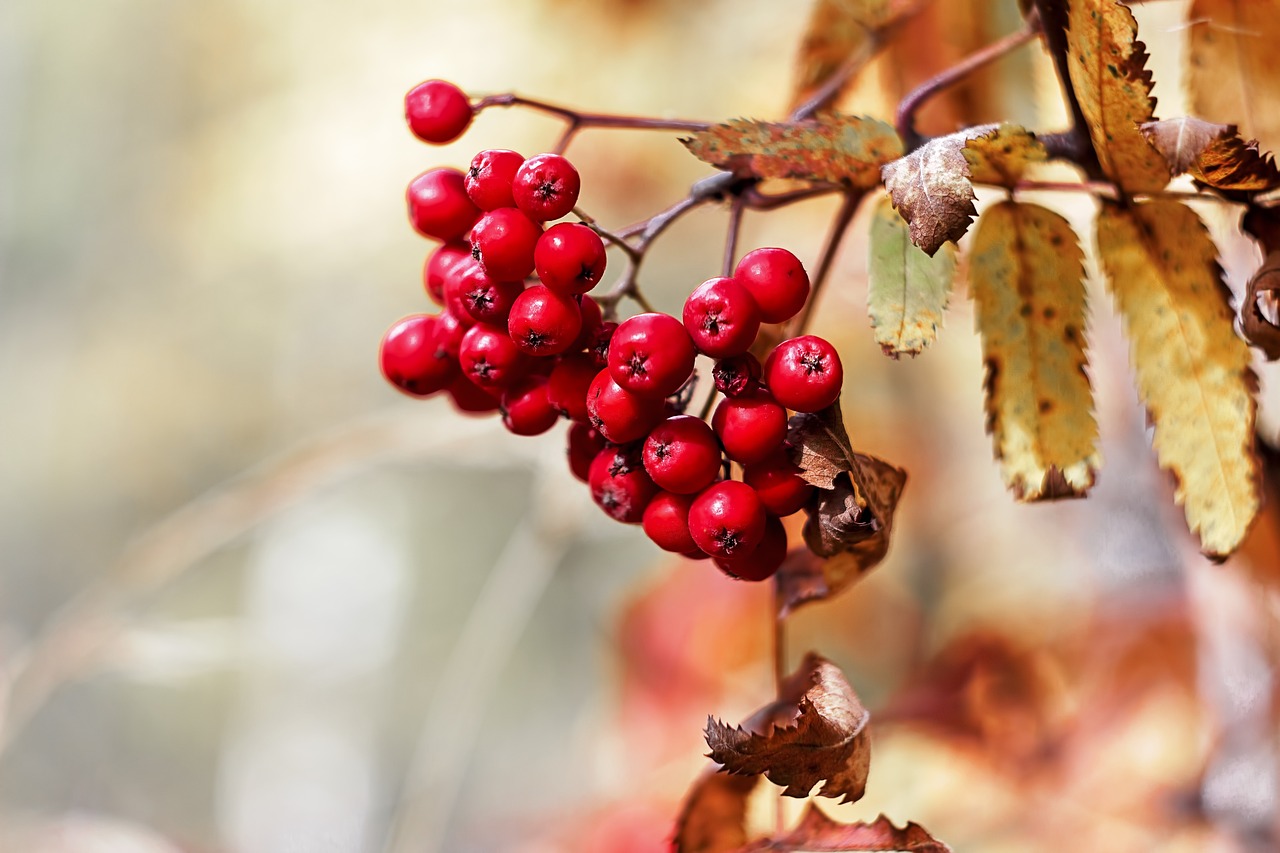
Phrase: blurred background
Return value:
(251, 599)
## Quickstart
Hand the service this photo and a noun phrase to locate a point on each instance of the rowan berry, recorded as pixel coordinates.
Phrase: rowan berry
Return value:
(619, 415)
(543, 322)
(438, 205)
(569, 258)
(777, 481)
(727, 519)
(490, 359)
(666, 522)
(619, 484)
(439, 262)
(437, 111)
(777, 281)
(651, 354)
(525, 407)
(546, 187)
(411, 359)
(471, 399)
(722, 317)
(737, 376)
(804, 374)
(502, 241)
(682, 455)
(488, 178)
(582, 446)
(569, 382)
(750, 427)
(486, 299)
(761, 562)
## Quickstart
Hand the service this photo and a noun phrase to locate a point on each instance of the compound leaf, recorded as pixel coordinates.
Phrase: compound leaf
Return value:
(907, 290)
(1193, 372)
(1234, 65)
(1026, 275)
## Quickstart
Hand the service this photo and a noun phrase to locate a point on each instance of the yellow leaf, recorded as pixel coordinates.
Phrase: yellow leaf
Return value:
(1234, 64)
(1193, 372)
(1027, 282)
(1213, 154)
(907, 290)
(832, 147)
(1108, 73)
(1003, 155)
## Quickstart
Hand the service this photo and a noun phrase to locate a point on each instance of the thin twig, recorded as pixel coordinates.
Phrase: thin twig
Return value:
(753, 199)
(779, 677)
(839, 225)
(1053, 24)
(580, 120)
(731, 238)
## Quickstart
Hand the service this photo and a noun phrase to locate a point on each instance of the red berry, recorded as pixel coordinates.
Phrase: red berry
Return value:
(777, 481)
(619, 484)
(651, 354)
(584, 443)
(804, 373)
(490, 359)
(737, 376)
(750, 428)
(727, 519)
(438, 205)
(485, 299)
(525, 407)
(722, 317)
(666, 522)
(619, 415)
(682, 455)
(763, 560)
(592, 320)
(546, 187)
(439, 263)
(569, 258)
(568, 385)
(471, 399)
(544, 323)
(411, 358)
(599, 345)
(488, 180)
(437, 111)
(777, 281)
(503, 241)
(449, 332)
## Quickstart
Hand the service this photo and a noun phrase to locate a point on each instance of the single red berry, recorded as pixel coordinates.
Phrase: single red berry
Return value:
(546, 187)
(682, 455)
(666, 522)
(599, 345)
(411, 358)
(722, 317)
(488, 179)
(804, 373)
(569, 382)
(737, 376)
(582, 446)
(438, 205)
(449, 333)
(750, 428)
(727, 519)
(544, 323)
(777, 481)
(777, 281)
(487, 300)
(454, 283)
(525, 407)
(503, 241)
(569, 258)
(490, 359)
(439, 263)
(651, 354)
(471, 399)
(762, 561)
(592, 321)
(619, 484)
(619, 415)
(437, 111)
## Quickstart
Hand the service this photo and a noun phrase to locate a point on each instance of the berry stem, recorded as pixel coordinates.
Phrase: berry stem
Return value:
(731, 237)
(839, 225)
(578, 121)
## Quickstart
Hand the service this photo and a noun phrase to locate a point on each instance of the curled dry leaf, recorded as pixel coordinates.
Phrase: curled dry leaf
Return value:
(818, 833)
(815, 732)
(1260, 313)
(1026, 276)
(930, 187)
(1193, 372)
(1213, 154)
(907, 290)
(713, 818)
(835, 148)
(1233, 63)
(1107, 65)
(1003, 155)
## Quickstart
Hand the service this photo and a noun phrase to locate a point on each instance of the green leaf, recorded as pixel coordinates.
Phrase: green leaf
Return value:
(907, 290)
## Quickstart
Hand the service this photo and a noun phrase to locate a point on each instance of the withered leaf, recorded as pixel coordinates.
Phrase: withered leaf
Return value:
(930, 187)
(818, 833)
(1107, 65)
(820, 446)
(831, 147)
(1213, 154)
(837, 29)
(1193, 372)
(907, 291)
(816, 732)
(1233, 63)
(713, 818)
(1003, 155)
(1260, 311)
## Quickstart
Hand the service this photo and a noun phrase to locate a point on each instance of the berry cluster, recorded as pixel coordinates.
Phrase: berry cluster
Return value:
(540, 351)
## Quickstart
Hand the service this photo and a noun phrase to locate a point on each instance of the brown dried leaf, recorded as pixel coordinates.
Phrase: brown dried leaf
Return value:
(1107, 65)
(1001, 156)
(816, 732)
(1234, 64)
(1213, 154)
(832, 147)
(713, 818)
(820, 446)
(930, 187)
(818, 833)
(1260, 311)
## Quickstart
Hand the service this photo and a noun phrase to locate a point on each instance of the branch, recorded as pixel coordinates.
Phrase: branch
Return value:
(581, 121)
(1053, 23)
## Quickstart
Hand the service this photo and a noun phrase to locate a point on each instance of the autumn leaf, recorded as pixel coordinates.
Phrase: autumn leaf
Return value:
(1193, 372)
(1260, 312)
(818, 833)
(930, 187)
(837, 30)
(1107, 66)
(820, 447)
(907, 290)
(832, 147)
(1002, 156)
(714, 815)
(1234, 63)
(816, 732)
(1026, 273)
(1213, 154)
